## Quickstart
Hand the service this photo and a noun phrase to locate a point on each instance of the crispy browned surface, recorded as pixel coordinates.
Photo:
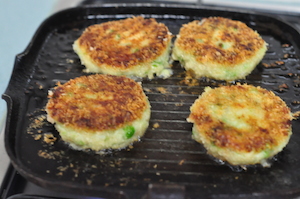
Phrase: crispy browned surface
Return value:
(206, 40)
(269, 123)
(125, 43)
(97, 102)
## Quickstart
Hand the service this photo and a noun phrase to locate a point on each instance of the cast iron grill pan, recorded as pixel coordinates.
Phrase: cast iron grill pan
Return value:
(166, 156)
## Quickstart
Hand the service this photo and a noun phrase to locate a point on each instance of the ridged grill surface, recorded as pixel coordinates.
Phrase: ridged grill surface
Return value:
(166, 154)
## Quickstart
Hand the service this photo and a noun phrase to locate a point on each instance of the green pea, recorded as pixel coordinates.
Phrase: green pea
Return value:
(181, 60)
(118, 37)
(156, 63)
(267, 153)
(70, 94)
(129, 131)
(200, 40)
(80, 143)
(134, 50)
(81, 85)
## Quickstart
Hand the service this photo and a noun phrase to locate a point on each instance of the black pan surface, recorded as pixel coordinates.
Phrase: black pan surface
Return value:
(166, 158)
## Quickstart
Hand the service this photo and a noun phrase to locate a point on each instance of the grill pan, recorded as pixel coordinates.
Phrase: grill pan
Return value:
(166, 160)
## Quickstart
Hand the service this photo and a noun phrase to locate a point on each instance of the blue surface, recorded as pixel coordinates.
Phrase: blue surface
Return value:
(19, 20)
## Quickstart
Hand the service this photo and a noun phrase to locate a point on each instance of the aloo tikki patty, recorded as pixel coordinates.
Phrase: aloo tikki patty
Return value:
(241, 124)
(99, 111)
(218, 48)
(134, 47)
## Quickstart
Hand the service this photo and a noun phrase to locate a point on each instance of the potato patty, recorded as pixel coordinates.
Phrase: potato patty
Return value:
(241, 124)
(135, 47)
(219, 48)
(99, 111)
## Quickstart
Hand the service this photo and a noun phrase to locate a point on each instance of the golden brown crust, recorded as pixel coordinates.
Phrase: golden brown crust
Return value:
(97, 102)
(125, 43)
(267, 125)
(219, 40)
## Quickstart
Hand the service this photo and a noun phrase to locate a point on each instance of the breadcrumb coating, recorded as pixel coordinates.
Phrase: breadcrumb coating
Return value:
(213, 34)
(238, 120)
(219, 47)
(97, 102)
(125, 45)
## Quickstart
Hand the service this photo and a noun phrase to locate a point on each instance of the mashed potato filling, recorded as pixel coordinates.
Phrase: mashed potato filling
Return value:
(235, 157)
(216, 70)
(109, 139)
(158, 67)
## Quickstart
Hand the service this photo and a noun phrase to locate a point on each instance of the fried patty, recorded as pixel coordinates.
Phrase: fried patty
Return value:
(219, 48)
(241, 124)
(99, 111)
(134, 47)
